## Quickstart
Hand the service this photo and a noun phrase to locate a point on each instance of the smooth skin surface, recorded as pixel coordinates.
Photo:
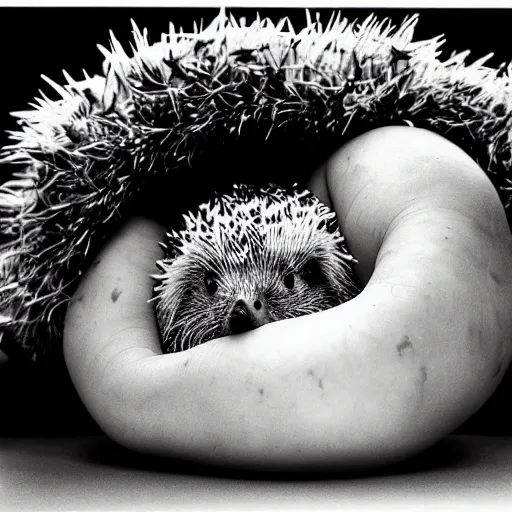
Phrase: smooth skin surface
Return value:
(367, 383)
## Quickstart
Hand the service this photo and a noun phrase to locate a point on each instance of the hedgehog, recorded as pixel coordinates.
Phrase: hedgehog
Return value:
(246, 258)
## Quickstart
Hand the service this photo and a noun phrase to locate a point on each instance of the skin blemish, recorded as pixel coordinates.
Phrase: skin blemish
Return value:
(116, 292)
(421, 382)
(495, 278)
(185, 364)
(311, 373)
(404, 345)
(424, 374)
(97, 262)
(261, 391)
(498, 370)
(476, 334)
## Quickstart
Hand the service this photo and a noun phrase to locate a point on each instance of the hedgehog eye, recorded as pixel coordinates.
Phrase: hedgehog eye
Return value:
(289, 281)
(210, 284)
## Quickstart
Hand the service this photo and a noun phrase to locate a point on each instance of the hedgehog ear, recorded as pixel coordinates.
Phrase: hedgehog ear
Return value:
(314, 273)
(327, 269)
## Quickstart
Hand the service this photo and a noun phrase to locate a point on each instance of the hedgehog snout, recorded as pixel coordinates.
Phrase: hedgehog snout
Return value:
(248, 314)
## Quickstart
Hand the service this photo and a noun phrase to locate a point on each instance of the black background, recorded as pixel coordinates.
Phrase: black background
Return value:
(35, 41)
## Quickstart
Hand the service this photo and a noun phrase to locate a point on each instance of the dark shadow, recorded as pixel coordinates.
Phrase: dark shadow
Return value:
(447, 454)
(493, 418)
(41, 401)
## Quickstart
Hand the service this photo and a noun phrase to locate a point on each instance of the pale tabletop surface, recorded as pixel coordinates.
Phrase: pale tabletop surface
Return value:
(91, 473)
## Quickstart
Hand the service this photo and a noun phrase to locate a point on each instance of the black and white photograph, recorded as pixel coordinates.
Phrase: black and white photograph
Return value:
(256, 256)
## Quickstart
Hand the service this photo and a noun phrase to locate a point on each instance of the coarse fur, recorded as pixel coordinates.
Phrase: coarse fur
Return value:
(278, 248)
(80, 165)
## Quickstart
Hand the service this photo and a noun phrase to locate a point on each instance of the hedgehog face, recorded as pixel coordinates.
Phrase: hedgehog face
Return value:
(250, 258)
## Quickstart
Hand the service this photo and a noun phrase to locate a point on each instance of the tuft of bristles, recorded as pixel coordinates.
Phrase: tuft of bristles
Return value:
(85, 160)
(250, 238)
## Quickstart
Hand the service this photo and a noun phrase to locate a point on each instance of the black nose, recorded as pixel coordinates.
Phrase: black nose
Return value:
(247, 315)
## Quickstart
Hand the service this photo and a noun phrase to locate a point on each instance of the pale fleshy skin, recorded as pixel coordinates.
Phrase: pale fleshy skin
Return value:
(247, 258)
